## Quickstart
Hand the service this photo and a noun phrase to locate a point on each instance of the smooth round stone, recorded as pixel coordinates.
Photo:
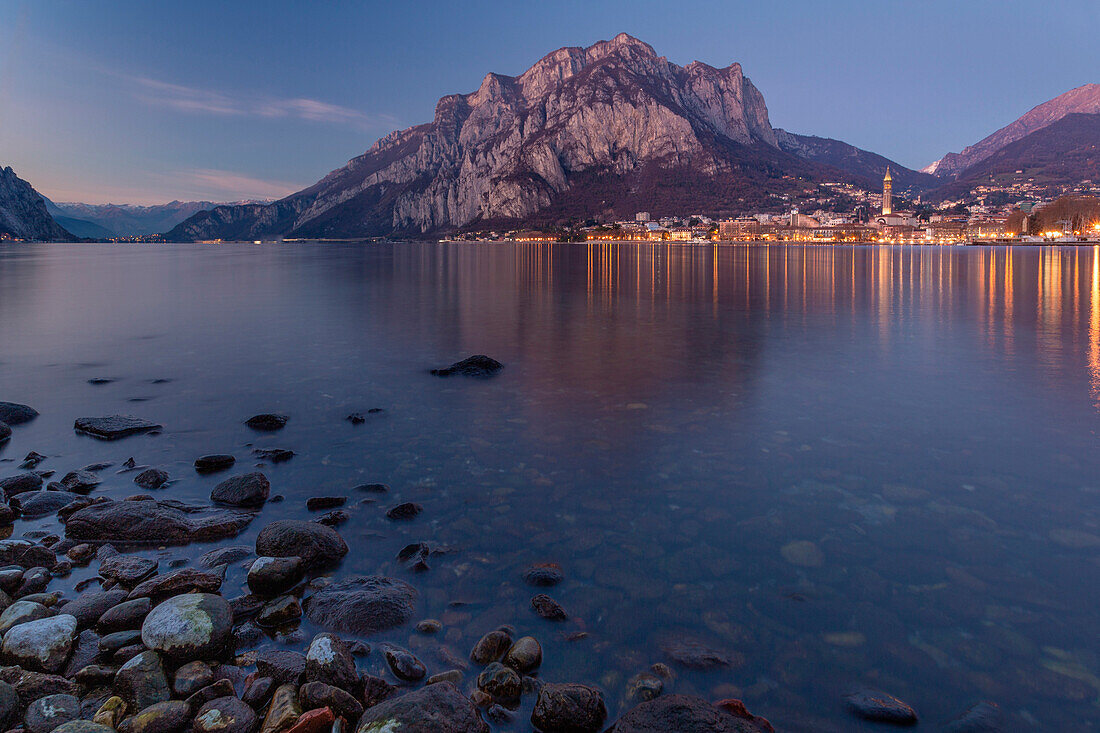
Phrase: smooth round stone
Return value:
(43, 645)
(404, 665)
(362, 605)
(491, 647)
(21, 612)
(214, 462)
(267, 422)
(192, 677)
(46, 713)
(225, 715)
(316, 544)
(141, 681)
(189, 626)
(14, 413)
(124, 616)
(525, 655)
(248, 490)
(269, 576)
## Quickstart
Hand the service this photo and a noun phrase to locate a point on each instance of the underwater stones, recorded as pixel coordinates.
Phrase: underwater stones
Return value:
(544, 574)
(114, 427)
(40, 503)
(14, 413)
(214, 462)
(984, 717)
(275, 455)
(478, 365)
(189, 626)
(267, 422)
(319, 503)
(880, 707)
(569, 708)
(224, 556)
(362, 605)
(644, 686)
(694, 654)
(316, 544)
(5, 433)
(225, 715)
(247, 490)
(42, 645)
(547, 608)
(153, 522)
(151, 478)
(499, 681)
(438, 708)
(685, 714)
(1074, 539)
(406, 511)
(803, 553)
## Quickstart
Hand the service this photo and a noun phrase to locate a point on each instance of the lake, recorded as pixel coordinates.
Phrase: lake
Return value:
(821, 466)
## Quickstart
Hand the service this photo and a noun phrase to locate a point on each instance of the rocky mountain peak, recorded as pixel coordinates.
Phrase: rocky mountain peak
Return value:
(23, 211)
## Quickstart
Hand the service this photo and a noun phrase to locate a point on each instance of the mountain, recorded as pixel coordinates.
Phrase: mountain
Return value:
(1057, 156)
(1084, 99)
(126, 220)
(849, 158)
(23, 212)
(80, 227)
(605, 130)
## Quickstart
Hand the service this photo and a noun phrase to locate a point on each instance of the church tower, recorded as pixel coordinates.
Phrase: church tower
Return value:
(887, 193)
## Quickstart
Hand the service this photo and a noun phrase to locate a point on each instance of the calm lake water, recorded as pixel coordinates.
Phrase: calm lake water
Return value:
(836, 466)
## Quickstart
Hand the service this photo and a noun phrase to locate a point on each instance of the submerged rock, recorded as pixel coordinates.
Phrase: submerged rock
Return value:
(569, 708)
(362, 605)
(248, 490)
(152, 478)
(214, 462)
(543, 574)
(40, 503)
(158, 522)
(14, 413)
(316, 544)
(114, 427)
(985, 717)
(477, 365)
(408, 510)
(548, 608)
(438, 708)
(685, 714)
(20, 483)
(267, 422)
(880, 706)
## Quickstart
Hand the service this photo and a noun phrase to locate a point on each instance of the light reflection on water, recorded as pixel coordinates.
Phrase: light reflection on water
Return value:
(670, 418)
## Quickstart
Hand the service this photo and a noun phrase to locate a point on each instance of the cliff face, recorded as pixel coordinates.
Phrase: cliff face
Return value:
(1084, 99)
(584, 131)
(23, 212)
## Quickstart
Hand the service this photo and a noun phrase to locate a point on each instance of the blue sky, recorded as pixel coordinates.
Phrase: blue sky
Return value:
(147, 102)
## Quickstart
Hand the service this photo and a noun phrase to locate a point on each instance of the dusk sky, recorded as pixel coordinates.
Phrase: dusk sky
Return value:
(139, 102)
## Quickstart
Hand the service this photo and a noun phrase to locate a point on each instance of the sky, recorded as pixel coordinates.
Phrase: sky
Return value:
(147, 102)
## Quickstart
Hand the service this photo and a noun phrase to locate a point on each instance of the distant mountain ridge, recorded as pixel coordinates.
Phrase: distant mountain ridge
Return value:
(23, 213)
(585, 132)
(126, 220)
(1084, 99)
(849, 158)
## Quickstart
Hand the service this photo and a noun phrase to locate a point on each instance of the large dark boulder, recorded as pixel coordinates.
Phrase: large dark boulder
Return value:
(686, 714)
(14, 413)
(159, 522)
(20, 484)
(113, 427)
(33, 504)
(316, 544)
(362, 605)
(478, 365)
(438, 708)
(189, 626)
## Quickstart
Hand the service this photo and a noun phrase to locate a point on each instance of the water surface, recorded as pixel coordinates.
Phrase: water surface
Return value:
(835, 465)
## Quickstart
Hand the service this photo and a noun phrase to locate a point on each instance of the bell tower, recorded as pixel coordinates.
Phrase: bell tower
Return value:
(887, 193)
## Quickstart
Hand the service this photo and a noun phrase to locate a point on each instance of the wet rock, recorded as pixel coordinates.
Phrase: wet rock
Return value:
(95, 675)
(329, 660)
(501, 682)
(127, 570)
(225, 715)
(111, 712)
(80, 482)
(454, 676)
(334, 518)
(490, 647)
(429, 626)
(33, 583)
(221, 688)
(269, 576)
(404, 664)
(247, 490)
(548, 608)
(643, 687)
(153, 522)
(26, 554)
(985, 717)
(30, 686)
(119, 639)
(81, 554)
(543, 574)
(162, 717)
(85, 652)
(141, 681)
(525, 655)
(694, 654)
(8, 515)
(245, 607)
(282, 665)
(20, 484)
(14, 413)
(191, 677)
(362, 605)
(284, 710)
(267, 422)
(214, 462)
(569, 708)
(258, 692)
(190, 626)
(90, 605)
(124, 616)
(372, 488)
(683, 713)
(314, 721)
(316, 544)
(45, 714)
(82, 726)
(32, 459)
(375, 690)
(405, 511)
(320, 695)
(152, 478)
(437, 708)
(880, 707)
(224, 556)
(41, 503)
(114, 427)
(478, 365)
(275, 455)
(280, 611)
(184, 580)
(42, 645)
(317, 503)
